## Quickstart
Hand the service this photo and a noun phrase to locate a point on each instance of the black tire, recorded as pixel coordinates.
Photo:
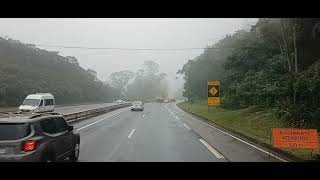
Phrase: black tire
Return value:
(47, 157)
(75, 153)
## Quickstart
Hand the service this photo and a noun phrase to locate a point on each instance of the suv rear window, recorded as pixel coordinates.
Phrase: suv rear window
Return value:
(14, 131)
(49, 126)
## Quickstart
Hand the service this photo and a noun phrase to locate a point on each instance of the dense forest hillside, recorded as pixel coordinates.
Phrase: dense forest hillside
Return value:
(26, 69)
(275, 65)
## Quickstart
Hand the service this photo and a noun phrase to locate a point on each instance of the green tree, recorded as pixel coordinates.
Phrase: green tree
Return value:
(148, 84)
(121, 79)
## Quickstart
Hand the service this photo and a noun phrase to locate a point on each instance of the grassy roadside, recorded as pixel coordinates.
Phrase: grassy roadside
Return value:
(253, 122)
(8, 109)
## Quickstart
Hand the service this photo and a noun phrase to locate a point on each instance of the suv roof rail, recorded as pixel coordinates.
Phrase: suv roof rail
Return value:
(35, 115)
(52, 113)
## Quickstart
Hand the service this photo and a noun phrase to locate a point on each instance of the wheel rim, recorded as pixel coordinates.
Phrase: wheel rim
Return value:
(76, 150)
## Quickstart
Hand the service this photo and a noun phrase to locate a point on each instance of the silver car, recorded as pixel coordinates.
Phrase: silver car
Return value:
(137, 106)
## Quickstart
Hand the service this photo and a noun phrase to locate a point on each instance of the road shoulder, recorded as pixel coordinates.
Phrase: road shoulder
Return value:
(229, 142)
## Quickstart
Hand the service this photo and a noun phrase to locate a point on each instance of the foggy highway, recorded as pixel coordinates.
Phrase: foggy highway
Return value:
(162, 132)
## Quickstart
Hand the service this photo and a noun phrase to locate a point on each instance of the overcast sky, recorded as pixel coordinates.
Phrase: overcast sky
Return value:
(123, 33)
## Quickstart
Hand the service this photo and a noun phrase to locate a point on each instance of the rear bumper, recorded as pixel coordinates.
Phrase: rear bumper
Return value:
(26, 157)
(136, 109)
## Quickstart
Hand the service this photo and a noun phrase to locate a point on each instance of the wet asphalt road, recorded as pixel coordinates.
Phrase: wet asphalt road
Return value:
(160, 133)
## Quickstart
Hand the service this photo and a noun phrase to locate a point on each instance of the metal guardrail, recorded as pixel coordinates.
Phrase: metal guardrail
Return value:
(81, 115)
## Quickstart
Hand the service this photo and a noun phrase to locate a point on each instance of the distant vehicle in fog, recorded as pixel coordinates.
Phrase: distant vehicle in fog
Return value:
(137, 106)
(159, 100)
(39, 102)
(119, 101)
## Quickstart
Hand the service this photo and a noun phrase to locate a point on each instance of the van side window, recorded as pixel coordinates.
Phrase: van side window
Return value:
(48, 102)
(41, 102)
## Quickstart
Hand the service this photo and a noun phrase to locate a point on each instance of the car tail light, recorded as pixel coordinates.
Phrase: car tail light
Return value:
(29, 145)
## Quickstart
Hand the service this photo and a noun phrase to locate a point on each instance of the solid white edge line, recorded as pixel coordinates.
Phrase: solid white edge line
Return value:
(211, 149)
(247, 143)
(166, 106)
(131, 133)
(186, 126)
(100, 120)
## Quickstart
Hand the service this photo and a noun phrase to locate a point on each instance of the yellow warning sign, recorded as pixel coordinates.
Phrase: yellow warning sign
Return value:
(213, 93)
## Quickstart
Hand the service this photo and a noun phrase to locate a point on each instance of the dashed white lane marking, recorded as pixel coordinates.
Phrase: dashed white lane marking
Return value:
(186, 126)
(101, 119)
(143, 115)
(131, 133)
(247, 143)
(211, 149)
(166, 106)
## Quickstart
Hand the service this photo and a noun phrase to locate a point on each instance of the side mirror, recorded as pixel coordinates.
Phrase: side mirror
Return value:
(70, 128)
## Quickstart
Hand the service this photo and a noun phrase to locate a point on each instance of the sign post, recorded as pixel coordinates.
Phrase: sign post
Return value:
(214, 93)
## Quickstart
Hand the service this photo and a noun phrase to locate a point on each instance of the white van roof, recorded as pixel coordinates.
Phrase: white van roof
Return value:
(44, 93)
(40, 96)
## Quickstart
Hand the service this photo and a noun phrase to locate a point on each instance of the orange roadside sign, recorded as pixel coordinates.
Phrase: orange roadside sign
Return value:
(295, 138)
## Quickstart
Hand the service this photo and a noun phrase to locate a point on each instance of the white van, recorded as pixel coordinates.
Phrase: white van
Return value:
(39, 102)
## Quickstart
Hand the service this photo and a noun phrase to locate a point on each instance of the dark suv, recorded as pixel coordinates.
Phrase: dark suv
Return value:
(41, 137)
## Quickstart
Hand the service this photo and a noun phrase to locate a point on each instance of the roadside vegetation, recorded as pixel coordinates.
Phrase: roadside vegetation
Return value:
(275, 65)
(270, 77)
(8, 109)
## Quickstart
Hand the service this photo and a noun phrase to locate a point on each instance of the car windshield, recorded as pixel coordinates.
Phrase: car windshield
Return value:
(168, 89)
(31, 102)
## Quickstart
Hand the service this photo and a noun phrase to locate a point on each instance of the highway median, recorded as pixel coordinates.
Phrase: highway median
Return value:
(252, 123)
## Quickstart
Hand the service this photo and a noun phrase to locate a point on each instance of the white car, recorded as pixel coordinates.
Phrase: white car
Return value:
(119, 101)
(137, 106)
(39, 102)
